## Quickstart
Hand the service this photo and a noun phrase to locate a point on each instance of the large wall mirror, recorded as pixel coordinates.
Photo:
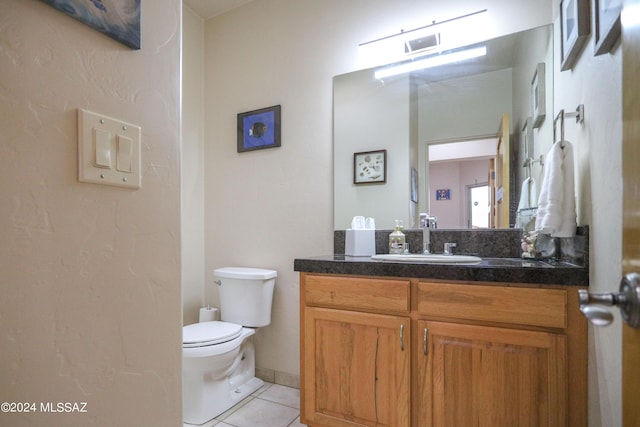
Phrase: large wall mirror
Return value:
(443, 129)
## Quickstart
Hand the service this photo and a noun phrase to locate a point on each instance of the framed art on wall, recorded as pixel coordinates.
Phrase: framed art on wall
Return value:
(370, 167)
(119, 20)
(575, 27)
(538, 96)
(259, 129)
(527, 137)
(608, 27)
(443, 194)
(414, 185)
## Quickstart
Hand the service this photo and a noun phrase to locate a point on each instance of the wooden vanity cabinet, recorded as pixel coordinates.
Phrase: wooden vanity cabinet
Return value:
(499, 356)
(484, 376)
(355, 352)
(479, 354)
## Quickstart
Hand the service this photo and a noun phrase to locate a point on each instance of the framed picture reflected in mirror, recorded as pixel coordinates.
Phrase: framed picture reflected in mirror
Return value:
(370, 167)
(538, 100)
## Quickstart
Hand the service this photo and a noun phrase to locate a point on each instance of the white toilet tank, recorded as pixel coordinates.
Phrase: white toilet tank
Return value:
(245, 295)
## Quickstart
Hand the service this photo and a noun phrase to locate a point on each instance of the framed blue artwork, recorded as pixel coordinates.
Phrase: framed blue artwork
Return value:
(259, 129)
(444, 194)
(118, 19)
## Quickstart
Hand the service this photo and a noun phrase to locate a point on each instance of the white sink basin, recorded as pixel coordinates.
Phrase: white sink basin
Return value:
(429, 258)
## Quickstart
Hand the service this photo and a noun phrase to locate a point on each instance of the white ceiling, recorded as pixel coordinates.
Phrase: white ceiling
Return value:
(210, 8)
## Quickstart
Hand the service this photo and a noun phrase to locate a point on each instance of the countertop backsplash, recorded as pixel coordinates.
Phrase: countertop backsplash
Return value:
(494, 243)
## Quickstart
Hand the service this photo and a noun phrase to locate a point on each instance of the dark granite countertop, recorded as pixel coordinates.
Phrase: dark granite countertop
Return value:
(511, 270)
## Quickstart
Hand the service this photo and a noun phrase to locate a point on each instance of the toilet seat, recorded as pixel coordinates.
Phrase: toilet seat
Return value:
(203, 351)
(209, 333)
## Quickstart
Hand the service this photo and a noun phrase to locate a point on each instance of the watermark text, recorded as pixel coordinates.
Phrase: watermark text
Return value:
(46, 407)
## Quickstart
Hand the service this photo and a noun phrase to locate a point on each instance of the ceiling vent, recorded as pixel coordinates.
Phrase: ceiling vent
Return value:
(422, 44)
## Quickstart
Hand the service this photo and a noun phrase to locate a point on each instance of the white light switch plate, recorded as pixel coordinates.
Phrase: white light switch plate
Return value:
(93, 167)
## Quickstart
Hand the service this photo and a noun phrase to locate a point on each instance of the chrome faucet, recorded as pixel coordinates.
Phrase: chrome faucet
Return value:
(427, 223)
(448, 248)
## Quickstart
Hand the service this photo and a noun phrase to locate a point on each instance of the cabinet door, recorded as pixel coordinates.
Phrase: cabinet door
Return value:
(490, 377)
(356, 369)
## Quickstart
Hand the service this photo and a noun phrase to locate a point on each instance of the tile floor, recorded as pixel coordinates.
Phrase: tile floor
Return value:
(273, 405)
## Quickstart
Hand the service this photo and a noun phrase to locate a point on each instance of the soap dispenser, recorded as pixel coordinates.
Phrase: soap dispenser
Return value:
(397, 239)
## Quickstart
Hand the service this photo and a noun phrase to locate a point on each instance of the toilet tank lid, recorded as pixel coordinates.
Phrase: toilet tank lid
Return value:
(245, 273)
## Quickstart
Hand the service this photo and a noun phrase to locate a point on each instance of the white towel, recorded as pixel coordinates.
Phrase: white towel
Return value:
(528, 194)
(556, 214)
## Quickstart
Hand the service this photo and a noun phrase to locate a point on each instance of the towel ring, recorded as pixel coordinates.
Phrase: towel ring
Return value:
(578, 114)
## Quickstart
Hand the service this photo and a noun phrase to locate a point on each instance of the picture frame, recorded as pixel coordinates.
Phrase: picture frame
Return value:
(607, 25)
(575, 27)
(370, 167)
(414, 185)
(527, 137)
(538, 100)
(119, 20)
(443, 194)
(259, 129)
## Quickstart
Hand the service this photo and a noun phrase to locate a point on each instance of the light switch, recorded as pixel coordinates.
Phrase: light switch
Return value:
(102, 147)
(108, 151)
(123, 156)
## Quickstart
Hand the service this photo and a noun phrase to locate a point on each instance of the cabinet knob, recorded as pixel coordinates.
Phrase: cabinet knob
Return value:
(627, 299)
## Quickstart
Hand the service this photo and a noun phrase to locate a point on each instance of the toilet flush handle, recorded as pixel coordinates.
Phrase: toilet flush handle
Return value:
(218, 282)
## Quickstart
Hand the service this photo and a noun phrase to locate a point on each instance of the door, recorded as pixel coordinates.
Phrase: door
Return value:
(470, 371)
(631, 201)
(492, 193)
(478, 210)
(357, 371)
(502, 173)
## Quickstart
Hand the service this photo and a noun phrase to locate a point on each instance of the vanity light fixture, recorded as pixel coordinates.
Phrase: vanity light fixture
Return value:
(444, 35)
(432, 61)
(422, 44)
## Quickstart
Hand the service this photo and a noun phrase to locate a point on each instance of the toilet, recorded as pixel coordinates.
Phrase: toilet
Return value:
(218, 357)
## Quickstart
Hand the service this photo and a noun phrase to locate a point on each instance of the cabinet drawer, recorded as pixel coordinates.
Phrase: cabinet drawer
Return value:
(522, 306)
(357, 293)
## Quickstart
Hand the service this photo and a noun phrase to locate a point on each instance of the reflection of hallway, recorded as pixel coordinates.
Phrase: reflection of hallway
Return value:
(460, 177)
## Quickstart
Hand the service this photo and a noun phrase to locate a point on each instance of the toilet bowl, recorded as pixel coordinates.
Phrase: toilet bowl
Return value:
(218, 373)
(218, 356)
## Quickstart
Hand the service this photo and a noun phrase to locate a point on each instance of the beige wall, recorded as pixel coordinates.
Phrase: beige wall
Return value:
(192, 171)
(90, 275)
(595, 81)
